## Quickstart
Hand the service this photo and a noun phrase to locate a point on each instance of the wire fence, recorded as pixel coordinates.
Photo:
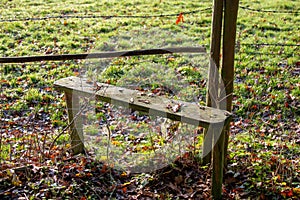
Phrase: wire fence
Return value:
(270, 11)
(34, 124)
(201, 11)
(104, 16)
(270, 44)
(89, 16)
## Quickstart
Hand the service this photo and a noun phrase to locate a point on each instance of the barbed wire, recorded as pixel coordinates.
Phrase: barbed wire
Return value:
(270, 11)
(102, 16)
(138, 16)
(263, 53)
(287, 29)
(270, 44)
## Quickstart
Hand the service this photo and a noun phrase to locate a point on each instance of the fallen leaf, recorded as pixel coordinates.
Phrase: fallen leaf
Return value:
(179, 18)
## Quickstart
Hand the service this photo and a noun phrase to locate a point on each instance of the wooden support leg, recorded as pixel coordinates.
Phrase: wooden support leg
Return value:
(218, 164)
(226, 140)
(207, 146)
(75, 121)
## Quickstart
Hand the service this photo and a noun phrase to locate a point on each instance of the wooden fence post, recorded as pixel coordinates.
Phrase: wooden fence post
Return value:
(227, 76)
(213, 74)
(227, 71)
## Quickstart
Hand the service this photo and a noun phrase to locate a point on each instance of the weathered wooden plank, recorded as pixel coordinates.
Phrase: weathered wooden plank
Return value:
(112, 54)
(189, 112)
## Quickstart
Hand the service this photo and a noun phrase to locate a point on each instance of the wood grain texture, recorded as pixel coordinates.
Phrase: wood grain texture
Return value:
(157, 106)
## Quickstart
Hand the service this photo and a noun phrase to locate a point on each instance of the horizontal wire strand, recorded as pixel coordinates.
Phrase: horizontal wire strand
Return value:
(139, 16)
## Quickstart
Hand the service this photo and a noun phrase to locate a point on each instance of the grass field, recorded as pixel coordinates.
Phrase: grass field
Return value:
(264, 144)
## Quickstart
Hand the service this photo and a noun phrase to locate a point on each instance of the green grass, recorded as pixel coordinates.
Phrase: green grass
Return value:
(264, 144)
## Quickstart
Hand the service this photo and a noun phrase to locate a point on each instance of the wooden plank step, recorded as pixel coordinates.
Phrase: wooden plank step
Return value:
(185, 112)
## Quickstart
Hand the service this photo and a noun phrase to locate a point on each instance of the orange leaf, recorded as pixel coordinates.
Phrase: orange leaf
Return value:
(89, 174)
(124, 174)
(286, 104)
(254, 107)
(83, 161)
(116, 143)
(179, 18)
(171, 59)
(104, 168)
(124, 189)
(296, 191)
(290, 193)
